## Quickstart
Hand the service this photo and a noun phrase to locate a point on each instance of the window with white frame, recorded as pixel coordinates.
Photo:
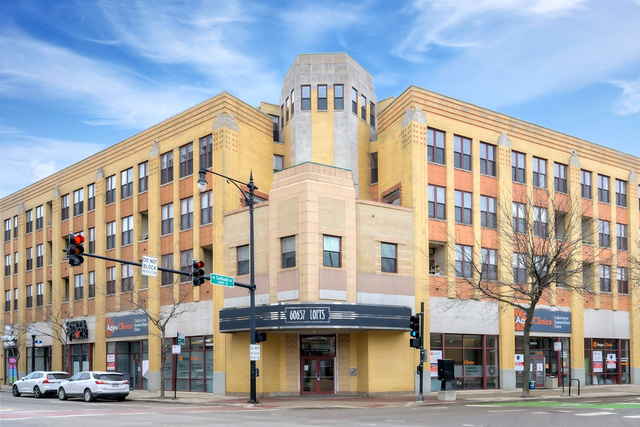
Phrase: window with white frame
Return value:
(186, 160)
(167, 219)
(92, 284)
(111, 281)
(39, 256)
(29, 302)
(64, 207)
(110, 195)
(322, 97)
(623, 280)
(389, 257)
(206, 207)
(437, 202)
(29, 259)
(585, 184)
(78, 287)
(28, 217)
(39, 294)
(288, 251)
(92, 240)
(126, 183)
(166, 168)
(306, 97)
(78, 202)
(621, 193)
(91, 197)
(331, 254)
(39, 217)
(519, 268)
(621, 236)
(206, 152)
(464, 261)
(126, 285)
(539, 221)
(127, 230)
(7, 265)
(111, 235)
(7, 230)
(519, 220)
(604, 233)
(242, 253)
(489, 264)
(603, 189)
(605, 278)
(143, 177)
(186, 213)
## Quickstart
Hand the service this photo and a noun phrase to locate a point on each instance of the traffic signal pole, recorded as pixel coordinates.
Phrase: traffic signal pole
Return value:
(421, 370)
(168, 270)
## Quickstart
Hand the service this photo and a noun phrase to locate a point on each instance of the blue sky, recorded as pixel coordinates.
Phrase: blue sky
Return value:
(79, 76)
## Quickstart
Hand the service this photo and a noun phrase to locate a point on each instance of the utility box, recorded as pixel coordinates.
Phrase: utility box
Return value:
(445, 370)
(551, 381)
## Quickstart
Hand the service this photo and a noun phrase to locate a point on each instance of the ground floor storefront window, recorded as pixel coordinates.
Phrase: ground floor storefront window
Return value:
(80, 356)
(475, 360)
(545, 361)
(131, 359)
(43, 358)
(606, 361)
(194, 368)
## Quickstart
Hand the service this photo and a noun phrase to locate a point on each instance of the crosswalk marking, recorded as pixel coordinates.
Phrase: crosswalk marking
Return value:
(631, 416)
(595, 414)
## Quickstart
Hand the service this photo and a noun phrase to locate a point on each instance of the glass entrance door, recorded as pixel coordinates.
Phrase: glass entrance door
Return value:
(317, 375)
(538, 370)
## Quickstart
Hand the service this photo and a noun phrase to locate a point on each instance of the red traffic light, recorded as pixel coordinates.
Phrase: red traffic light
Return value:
(198, 264)
(197, 273)
(77, 239)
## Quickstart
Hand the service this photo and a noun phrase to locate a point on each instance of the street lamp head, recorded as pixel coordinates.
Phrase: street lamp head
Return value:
(202, 181)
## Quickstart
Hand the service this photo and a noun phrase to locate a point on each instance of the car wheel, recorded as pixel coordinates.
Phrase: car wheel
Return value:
(88, 396)
(37, 393)
(62, 395)
(15, 391)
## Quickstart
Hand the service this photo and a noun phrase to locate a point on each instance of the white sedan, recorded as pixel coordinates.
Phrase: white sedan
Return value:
(40, 383)
(92, 385)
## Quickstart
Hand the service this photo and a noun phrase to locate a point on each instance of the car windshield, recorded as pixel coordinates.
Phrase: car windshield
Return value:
(109, 377)
(59, 376)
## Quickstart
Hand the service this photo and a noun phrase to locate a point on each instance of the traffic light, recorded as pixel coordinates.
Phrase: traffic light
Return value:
(197, 273)
(260, 337)
(416, 341)
(75, 251)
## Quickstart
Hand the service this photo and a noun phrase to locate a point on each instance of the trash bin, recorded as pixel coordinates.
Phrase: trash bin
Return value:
(551, 381)
(532, 385)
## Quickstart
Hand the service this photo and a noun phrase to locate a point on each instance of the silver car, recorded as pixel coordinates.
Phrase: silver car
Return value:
(92, 385)
(40, 383)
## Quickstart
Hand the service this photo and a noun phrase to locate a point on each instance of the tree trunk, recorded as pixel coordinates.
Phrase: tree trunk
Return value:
(163, 361)
(526, 373)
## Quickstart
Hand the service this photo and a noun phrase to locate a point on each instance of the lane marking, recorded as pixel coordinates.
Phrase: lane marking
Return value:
(508, 410)
(595, 414)
(631, 416)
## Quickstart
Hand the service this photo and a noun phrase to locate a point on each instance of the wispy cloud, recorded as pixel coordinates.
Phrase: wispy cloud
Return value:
(629, 100)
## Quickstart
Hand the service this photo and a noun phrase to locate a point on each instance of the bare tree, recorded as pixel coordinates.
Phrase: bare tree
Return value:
(54, 326)
(174, 298)
(540, 253)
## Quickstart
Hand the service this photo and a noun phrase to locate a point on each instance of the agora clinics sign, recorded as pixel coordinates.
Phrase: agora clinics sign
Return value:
(126, 326)
(544, 321)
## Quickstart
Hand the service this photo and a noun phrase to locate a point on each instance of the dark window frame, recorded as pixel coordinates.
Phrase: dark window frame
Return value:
(242, 257)
(539, 167)
(518, 167)
(110, 190)
(461, 152)
(166, 168)
(331, 258)
(305, 98)
(437, 209)
(604, 188)
(126, 183)
(488, 213)
(338, 101)
(585, 184)
(143, 177)
(186, 160)
(463, 213)
(436, 146)
(388, 264)
(288, 258)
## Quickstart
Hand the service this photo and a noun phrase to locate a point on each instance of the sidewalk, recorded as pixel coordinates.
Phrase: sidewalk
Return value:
(431, 398)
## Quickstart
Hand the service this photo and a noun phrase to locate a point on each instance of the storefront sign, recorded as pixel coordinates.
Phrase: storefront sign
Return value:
(611, 361)
(77, 330)
(126, 326)
(472, 370)
(544, 321)
(434, 355)
(519, 362)
(597, 361)
(306, 315)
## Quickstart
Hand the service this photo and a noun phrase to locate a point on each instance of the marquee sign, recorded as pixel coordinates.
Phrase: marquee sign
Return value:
(544, 321)
(126, 326)
(77, 330)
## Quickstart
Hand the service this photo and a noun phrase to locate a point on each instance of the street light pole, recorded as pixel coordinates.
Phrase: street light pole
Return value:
(33, 349)
(202, 186)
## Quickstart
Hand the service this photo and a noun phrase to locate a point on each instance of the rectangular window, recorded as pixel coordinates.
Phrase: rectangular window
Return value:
(29, 302)
(206, 149)
(487, 159)
(539, 172)
(206, 207)
(623, 280)
(519, 221)
(436, 202)
(306, 98)
(143, 177)
(519, 268)
(186, 213)
(517, 167)
(78, 202)
(15, 263)
(621, 193)
(64, 208)
(435, 146)
(603, 189)
(186, 259)
(167, 219)
(111, 280)
(539, 221)
(127, 230)
(126, 183)
(463, 209)
(288, 251)
(604, 233)
(186, 160)
(29, 259)
(374, 168)
(363, 107)
(464, 261)
(585, 184)
(621, 236)
(392, 197)
(278, 162)
(111, 235)
(322, 98)
(338, 97)
(354, 101)
(110, 196)
(372, 114)
(276, 131)
(389, 257)
(28, 215)
(92, 240)
(39, 217)
(167, 262)
(15, 219)
(126, 285)
(242, 253)
(91, 197)
(286, 103)
(489, 264)
(331, 253)
(7, 300)
(293, 102)
(92, 284)
(461, 152)
(605, 278)
(39, 256)
(488, 216)
(40, 294)
(78, 287)
(7, 230)
(560, 177)
(7, 265)
(166, 168)
(15, 298)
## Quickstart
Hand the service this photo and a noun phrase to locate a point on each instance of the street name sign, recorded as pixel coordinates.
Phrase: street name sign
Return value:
(217, 279)
(149, 266)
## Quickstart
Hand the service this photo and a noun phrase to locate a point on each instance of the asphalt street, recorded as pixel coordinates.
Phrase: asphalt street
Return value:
(28, 411)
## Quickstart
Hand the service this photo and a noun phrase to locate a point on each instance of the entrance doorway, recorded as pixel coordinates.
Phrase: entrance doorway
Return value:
(317, 364)
(538, 370)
